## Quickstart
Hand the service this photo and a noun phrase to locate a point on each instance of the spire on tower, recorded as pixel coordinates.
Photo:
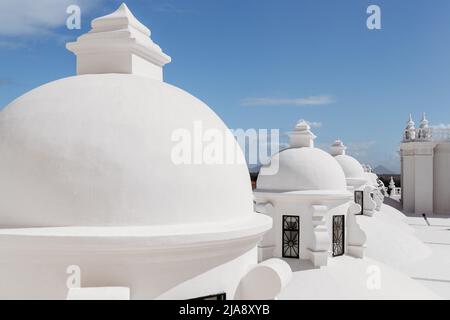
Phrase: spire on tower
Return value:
(409, 133)
(424, 131)
(424, 122)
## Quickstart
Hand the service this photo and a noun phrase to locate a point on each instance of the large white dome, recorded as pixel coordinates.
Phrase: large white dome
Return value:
(95, 150)
(302, 169)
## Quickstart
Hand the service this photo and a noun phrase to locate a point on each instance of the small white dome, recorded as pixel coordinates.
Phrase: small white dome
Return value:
(302, 169)
(352, 168)
(95, 150)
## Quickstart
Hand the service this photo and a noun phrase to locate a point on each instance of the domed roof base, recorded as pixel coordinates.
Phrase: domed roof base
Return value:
(165, 237)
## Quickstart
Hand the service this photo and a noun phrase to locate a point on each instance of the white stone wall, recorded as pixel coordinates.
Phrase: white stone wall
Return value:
(442, 178)
(426, 177)
(184, 274)
(277, 207)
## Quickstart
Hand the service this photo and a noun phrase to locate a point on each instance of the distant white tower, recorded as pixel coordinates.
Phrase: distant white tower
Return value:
(424, 169)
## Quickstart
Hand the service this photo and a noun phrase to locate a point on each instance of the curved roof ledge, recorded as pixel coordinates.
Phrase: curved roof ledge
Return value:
(110, 239)
(331, 195)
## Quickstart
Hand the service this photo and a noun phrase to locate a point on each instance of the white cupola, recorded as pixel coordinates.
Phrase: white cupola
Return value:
(119, 43)
(410, 131)
(302, 136)
(338, 148)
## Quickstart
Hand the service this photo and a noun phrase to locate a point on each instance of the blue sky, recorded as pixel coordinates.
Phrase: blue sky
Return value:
(231, 52)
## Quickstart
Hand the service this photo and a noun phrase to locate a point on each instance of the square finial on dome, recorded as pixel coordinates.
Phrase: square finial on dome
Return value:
(338, 148)
(119, 43)
(302, 135)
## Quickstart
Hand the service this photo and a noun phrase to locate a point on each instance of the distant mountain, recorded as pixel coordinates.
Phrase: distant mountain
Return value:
(383, 170)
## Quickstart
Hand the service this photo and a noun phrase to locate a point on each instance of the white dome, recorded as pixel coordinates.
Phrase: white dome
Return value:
(95, 150)
(352, 168)
(302, 169)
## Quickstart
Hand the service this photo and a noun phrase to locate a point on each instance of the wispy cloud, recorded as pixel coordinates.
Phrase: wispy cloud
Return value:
(368, 152)
(31, 17)
(314, 124)
(166, 6)
(361, 148)
(441, 126)
(11, 44)
(307, 101)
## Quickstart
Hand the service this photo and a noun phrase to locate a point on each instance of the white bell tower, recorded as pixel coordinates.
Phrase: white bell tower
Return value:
(417, 168)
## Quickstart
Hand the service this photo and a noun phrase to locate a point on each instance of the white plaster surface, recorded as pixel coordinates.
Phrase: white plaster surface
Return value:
(390, 241)
(346, 277)
(416, 262)
(433, 271)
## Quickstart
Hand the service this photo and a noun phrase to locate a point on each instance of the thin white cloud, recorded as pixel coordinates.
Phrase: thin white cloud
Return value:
(360, 149)
(37, 17)
(307, 101)
(165, 6)
(10, 44)
(314, 124)
(441, 126)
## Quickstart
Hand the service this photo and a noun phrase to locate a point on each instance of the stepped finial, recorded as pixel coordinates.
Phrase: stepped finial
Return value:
(119, 43)
(302, 135)
(338, 148)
